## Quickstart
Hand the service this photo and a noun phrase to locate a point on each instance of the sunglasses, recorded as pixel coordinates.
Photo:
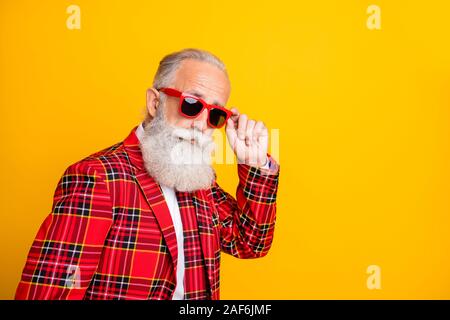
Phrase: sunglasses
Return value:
(191, 106)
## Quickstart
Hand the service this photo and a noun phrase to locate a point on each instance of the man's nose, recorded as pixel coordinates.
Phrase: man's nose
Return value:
(201, 122)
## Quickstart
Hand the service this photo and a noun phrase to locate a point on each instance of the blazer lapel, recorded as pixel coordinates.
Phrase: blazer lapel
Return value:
(153, 195)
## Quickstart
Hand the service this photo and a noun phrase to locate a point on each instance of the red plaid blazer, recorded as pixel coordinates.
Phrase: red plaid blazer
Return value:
(110, 233)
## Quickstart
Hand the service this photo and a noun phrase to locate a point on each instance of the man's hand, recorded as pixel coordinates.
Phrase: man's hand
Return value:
(248, 138)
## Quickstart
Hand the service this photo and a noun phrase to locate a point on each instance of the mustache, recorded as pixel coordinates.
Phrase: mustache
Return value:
(195, 135)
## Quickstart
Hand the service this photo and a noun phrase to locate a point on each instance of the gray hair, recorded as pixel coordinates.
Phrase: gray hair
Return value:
(170, 63)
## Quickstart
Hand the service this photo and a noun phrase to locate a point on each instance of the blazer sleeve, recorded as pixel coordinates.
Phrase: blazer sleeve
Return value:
(247, 223)
(65, 253)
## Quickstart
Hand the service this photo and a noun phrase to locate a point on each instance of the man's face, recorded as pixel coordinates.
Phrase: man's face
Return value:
(177, 150)
(202, 80)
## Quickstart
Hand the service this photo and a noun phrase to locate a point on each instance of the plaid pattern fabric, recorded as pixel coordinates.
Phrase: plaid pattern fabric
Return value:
(195, 276)
(110, 233)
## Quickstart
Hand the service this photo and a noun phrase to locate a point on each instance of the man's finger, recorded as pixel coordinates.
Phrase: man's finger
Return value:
(259, 127)
(231, 131)
(263, 135)
(242, 126)
(235, 114)
(249, 132)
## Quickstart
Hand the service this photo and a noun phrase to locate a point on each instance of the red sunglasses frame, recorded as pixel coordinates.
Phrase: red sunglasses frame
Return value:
(178, 94)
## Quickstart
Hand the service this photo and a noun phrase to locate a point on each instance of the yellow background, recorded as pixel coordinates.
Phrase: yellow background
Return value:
(363, 117)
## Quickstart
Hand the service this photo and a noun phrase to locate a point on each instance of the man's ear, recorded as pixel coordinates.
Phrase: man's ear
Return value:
(152, 101)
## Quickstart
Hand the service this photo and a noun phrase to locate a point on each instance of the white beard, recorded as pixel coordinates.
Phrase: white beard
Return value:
(172, 160)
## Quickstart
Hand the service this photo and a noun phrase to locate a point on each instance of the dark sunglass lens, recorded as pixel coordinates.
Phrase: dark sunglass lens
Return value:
(191, 107)
(217, 117)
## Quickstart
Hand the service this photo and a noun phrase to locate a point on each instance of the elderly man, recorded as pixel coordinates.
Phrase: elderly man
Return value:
(145, 218)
